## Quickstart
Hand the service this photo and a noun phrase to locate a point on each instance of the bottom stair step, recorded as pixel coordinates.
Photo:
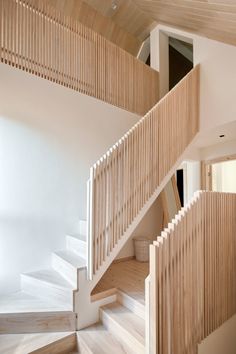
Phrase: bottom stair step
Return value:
(37, 322)
(125, 325)
(50, 343)
(97, 339)
(24, 313)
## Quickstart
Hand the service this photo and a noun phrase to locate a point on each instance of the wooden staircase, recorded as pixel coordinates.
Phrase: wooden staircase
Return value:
(121, 329)
(54, 299)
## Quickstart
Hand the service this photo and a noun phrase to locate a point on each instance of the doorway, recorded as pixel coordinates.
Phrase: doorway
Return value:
(219, 175)
(180, 60)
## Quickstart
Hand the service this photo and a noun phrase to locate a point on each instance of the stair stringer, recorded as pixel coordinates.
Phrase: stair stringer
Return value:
(88, 312)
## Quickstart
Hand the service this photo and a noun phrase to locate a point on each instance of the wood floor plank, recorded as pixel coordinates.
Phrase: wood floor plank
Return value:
(129, 277)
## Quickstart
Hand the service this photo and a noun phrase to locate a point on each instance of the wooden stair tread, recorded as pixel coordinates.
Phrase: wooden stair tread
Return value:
(32, 343)
(127, 320)
(52, 277)
(21, 302)
(72, 258)
(99, 340)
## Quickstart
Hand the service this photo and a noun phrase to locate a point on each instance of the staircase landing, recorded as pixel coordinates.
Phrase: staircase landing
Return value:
(128, 277)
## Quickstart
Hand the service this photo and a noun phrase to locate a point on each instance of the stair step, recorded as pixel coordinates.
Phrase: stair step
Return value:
(68, 263)
(131, 303)
(77, 244)
(97, 339)
(24, 313)
(125, 325)
(23, 302)
(50, 343)
(37, 322)
(48, 284)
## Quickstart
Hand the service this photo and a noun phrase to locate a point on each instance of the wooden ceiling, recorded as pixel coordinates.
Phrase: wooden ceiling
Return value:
(215, 19)
(127, 25)
(129, 22)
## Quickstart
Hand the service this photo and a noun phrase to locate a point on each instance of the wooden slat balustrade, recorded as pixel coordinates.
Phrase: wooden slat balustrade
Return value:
(124, 179)
(43, 41)
(192, 283)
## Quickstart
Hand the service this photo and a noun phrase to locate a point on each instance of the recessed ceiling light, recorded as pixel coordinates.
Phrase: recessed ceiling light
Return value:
(221, 136)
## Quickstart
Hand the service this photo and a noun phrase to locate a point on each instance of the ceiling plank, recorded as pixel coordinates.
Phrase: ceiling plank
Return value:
(214, 19)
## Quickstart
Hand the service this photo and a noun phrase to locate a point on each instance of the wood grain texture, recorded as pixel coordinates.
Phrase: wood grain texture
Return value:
(97, 339)
(37, 322)
(125, 325)
(126, 177)
(130, 23)
(127, 26)
(38, 343)
(129, 277)
(192, 282)
(42, 40)
(212, 19)
(127, 15)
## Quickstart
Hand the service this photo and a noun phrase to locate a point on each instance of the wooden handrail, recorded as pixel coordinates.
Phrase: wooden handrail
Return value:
(192, 285)
(125, 178)
(39, 39)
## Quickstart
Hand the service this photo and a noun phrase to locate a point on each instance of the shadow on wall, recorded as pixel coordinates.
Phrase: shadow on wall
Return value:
(49, 137)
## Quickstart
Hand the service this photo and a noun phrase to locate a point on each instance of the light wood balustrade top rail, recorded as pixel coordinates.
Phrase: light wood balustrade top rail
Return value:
(125, 178)
(192, 283)
(41, 40)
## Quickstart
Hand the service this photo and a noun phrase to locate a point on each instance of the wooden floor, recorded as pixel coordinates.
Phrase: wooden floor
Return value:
(128, 276)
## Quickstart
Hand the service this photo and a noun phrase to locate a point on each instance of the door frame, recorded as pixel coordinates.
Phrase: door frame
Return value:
(206, 170)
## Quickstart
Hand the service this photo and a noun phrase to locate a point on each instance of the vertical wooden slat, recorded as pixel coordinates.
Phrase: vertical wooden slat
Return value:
(40, 39)
(193, 264)
(140, 161)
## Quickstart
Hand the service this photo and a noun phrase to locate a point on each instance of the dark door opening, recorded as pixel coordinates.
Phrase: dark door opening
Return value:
(180, 60)
(180, 185)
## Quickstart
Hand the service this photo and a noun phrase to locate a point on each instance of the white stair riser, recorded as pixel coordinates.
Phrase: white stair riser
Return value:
(37, 322)
(77, 246)
(44, 290)
(83, 227)
(120, 332)
(66, 270)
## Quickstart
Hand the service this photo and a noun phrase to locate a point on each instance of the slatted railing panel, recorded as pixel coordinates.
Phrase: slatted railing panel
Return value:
(192, 274)
(125, 178)
(41, 40)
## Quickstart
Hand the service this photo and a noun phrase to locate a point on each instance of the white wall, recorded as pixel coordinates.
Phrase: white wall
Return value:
(49, 137)
(218, 150)
(193, 179)
(222, 341)
(217, 75)
(223, 177)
